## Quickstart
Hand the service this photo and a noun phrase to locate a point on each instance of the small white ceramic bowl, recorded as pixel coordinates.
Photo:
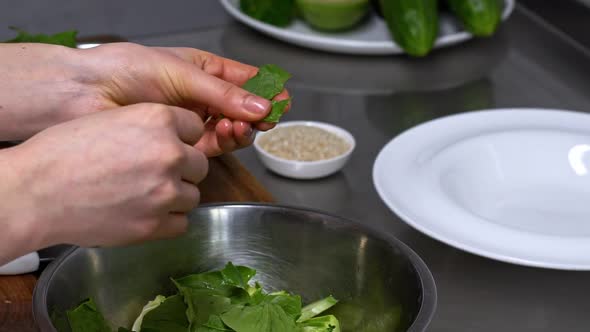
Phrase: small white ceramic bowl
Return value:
(306, 169)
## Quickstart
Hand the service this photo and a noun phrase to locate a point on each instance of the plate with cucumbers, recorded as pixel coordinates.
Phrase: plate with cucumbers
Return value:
(372, 27)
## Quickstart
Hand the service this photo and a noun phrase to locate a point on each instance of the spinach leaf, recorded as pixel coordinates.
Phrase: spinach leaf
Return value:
(221, 282)
(278, 109)
(322, 324)
(268, 82)
(316, 308)
(256, 294)
(291, 304)
(202, 304)
(264, 317)
(168, 316)
(66, 38)
(151, 305)
(212, 293)
(237, 275)
(87, 318)
(214, 324)
(275, 12)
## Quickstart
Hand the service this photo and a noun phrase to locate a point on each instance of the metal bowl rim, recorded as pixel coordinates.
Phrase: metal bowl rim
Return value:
(428, 286)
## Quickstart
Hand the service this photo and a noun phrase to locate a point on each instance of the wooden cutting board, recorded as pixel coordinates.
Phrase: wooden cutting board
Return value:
(228, 181)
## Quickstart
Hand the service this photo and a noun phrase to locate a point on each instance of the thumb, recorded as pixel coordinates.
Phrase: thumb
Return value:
(219, 96)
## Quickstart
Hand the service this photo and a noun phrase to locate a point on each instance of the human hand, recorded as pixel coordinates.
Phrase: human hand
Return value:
(50, 84)
(112, 178)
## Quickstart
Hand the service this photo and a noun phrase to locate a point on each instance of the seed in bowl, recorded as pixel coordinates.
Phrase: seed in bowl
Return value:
(303, 143)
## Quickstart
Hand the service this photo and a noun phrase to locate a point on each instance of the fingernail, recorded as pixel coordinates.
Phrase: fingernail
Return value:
(249, 132)
(257, 105)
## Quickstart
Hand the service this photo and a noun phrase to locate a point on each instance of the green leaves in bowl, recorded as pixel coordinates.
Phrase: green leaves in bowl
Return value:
(223, 300)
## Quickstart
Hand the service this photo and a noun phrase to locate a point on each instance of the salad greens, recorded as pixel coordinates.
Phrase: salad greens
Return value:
(86, 317)
(268, 83)
(167, 314)
(275, 12)
(66, 38)
(316, 308)
(215, 301)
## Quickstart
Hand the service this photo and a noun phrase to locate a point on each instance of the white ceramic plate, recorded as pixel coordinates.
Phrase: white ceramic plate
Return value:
(511, 185)
(370, 38)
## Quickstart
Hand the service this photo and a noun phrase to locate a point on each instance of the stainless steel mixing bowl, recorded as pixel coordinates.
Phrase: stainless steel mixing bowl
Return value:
(306, 252)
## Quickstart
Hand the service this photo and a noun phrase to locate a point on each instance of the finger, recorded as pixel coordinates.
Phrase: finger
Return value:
(208, 143)
(196, 86)
(195, 167)
(225, 136)
(243, 133)
(265, 126)
(226, 69)
(173, 225)
(188, 197)
(282, 96)
(189, 125)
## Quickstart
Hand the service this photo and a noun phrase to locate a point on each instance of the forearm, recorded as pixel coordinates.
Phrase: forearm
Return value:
(21, 232)
(37, 86)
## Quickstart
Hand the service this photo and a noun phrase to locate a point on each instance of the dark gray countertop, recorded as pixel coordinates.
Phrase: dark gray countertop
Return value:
(527, 64)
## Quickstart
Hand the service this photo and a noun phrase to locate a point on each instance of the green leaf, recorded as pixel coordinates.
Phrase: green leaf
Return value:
(168, 316)
(256, 294)
(151, 305)
(222, 282)
(322, 324)
(87, 318)
(316, 308)
(212, 292)
(122, 329)
(291, 304)
(278, 109)
(214, 324)
(203, 303)
(66, 38)
(268, 82)
(237, 275)
(260, 318)
(275, 12)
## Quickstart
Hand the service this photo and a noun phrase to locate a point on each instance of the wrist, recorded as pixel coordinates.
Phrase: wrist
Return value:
(40, 87)
(23, 230)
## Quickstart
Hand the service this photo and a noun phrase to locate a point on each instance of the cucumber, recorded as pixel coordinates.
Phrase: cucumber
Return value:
(333, 15)
(480, 17)
(377, 7)
(413, 24)
(275, 12)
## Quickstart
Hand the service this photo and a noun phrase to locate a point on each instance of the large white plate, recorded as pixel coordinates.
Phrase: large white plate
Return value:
(370, 38)
(511, 185)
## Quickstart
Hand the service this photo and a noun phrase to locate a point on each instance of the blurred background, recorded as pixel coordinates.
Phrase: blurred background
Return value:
(139, 18)
(129, 18)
